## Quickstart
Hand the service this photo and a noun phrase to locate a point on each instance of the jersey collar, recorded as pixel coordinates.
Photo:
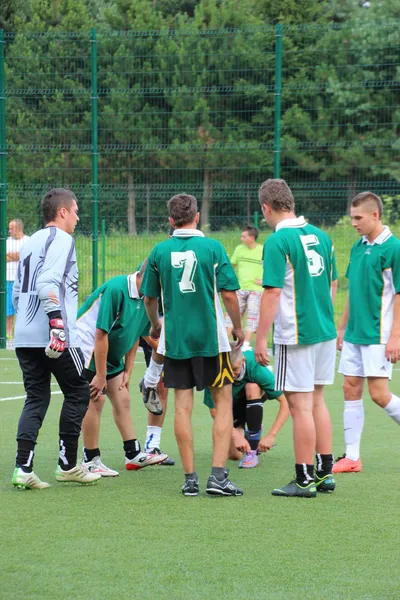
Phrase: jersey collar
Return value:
(188, 233)
(132, 287)
(299, 222)
(382, 237)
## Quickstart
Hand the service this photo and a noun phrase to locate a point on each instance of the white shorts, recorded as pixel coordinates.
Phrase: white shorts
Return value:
(252, 301)
(299, 368)
(357, 360)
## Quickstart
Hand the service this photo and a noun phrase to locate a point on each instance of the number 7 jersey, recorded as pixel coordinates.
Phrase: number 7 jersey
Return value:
(188, 271)
(299, 258)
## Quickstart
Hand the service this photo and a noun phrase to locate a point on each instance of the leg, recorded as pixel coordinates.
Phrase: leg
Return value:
(381, 395)
(322, 421)
(121, 406)
(242, 299)
(254, 414)
(253, 314)
(304, 436)
(183, 428)
(10, 326)
(91, 425)
(223, 424)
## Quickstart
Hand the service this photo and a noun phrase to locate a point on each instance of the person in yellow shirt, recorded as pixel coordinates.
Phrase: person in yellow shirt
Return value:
(247, 261)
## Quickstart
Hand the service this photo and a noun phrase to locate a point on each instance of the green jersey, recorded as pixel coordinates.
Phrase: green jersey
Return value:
(115, 307)
(189, 270)
(374, 280)
(300, 259)
(249, 266)
(253, 373)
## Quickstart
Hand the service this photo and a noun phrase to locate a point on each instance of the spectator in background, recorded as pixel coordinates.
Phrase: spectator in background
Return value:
(247, 258)
(13, 246)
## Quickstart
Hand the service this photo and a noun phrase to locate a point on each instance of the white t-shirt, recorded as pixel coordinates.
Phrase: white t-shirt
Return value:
(13, 245)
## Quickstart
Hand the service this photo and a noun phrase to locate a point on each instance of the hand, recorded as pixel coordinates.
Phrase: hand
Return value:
(258, 281)
(339, 339)
(261, 352)
(241, 443)
(155, 331)
(126, 377)
(238, 336)
(98, 387)
(266, 442)
(57, 343)
(392, 351)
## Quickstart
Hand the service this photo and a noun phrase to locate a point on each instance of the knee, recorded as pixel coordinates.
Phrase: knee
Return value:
(253, 391)
(352, 389)
(379, 394)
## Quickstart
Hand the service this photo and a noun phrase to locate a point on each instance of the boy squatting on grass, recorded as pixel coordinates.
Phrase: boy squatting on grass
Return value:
(253, 385)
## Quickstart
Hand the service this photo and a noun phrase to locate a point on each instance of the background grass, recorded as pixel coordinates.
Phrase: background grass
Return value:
(137, 536)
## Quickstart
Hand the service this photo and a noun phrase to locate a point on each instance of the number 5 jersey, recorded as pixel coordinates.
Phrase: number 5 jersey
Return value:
(46, 281)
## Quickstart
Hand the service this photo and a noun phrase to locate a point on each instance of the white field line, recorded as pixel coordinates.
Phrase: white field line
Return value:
(17, 383)
(21, 397)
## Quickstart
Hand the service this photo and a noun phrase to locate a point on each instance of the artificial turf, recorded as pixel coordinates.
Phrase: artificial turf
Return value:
(137, 536)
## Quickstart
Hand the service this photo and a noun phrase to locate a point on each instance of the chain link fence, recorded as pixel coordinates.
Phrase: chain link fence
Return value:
(126, 119)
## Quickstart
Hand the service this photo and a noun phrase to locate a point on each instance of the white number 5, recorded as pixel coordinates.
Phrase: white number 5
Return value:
(188, 261)
(315, 262)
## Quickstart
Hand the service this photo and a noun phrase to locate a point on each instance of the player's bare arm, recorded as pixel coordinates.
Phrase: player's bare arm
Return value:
(342, 325)
(334, 287)
(129, 360)
(232, 307)
(392, 351)
(99, 382)
(12, 256)
(151, 305)
(268, 311)
(268, 440)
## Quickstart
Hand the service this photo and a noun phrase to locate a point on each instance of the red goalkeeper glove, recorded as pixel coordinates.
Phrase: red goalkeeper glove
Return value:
(57, 343)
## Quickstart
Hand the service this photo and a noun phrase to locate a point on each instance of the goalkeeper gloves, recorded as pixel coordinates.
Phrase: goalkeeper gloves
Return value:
(57, 343)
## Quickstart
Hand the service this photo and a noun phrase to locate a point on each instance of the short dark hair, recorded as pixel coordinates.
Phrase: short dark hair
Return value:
(368, 197)
(277, 194)
(251, 231)
(55, 199)
(182, 209)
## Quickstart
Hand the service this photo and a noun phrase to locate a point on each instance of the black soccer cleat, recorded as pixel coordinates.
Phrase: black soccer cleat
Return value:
(325, 484)
(295, 489)
(222, 488)
(190, 487)
(168, 462)
(151, 398)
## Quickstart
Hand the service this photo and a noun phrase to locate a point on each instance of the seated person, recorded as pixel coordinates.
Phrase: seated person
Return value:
(253, 385)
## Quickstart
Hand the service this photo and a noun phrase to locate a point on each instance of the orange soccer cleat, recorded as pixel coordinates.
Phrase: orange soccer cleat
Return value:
(346, 465)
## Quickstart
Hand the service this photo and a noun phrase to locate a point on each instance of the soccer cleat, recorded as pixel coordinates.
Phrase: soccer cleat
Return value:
(325, 484)
(190, 487)
(144, 459)
(27, 481)
(222, 488)
(296, 489)
(168, 462)
(346, 465)
(151, 398)
(79, 474)
(96, 466)
(249, 460)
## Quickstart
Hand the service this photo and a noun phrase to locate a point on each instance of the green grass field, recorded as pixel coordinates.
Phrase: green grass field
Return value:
(137, 537)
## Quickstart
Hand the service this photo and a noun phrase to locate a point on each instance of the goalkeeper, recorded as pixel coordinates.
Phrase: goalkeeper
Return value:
(253, 385)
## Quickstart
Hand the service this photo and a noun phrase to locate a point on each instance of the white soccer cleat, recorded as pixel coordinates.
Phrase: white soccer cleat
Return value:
(78, 474)
(27, 481)
(143, 459)
(96, 466)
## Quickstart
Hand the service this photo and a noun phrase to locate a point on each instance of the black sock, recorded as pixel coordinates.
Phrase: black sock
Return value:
(90, 454)
(304, 473)
(219, 473)
(68, 452)
(254, 417)
(324, 464)
(131, 448)
(24, 458)
(190, 476)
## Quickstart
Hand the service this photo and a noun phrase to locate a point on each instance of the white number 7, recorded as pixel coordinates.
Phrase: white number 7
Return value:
(188, 261)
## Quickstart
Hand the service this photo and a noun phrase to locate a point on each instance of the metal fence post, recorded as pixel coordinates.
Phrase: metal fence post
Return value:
(278, 96)
(3, 197)
(95, 161)
(103, 250)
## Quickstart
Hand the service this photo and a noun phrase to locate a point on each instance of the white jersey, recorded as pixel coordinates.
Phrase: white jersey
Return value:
(13, 245)
(46, 281)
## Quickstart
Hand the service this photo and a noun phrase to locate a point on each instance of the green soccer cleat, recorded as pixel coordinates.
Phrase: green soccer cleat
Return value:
(27, 481)
(296, 489)
(325, 484)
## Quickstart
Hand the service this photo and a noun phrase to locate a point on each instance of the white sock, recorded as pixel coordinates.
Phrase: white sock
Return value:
(393, 409)
(353, 421)
(153, 437)
(153, 374)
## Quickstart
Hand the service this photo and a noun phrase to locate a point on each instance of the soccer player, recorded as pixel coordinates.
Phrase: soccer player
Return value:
(189, 270)
(45, 296)
(369, 331)
(109, 325)
(253, 385)
(13, 246)
(248, 259)
(299, 271)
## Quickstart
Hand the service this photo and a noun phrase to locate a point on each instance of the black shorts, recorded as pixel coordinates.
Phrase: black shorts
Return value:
(199, 371)
(90, 375)
(239, 410)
